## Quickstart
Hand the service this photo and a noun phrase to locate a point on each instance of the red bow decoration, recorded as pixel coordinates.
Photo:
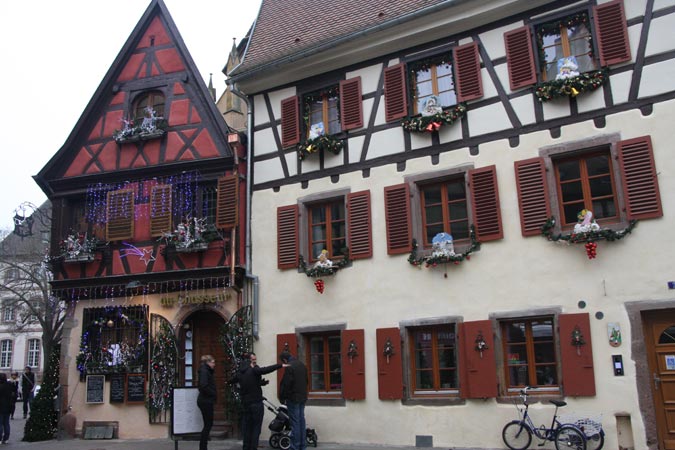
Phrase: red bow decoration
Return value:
(433, 126)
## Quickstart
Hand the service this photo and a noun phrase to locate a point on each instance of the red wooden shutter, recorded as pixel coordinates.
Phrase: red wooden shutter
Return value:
(289, 343)
(120, 218)
(520, 58)
(612, 32)
(399, 223)
(287, 237)
(640, 182)
(395, 95)
(290, 121)
(478, 375)
(533, 198)
(577, 363)
(359, 225)
(467, 68)
(160, 210)
(389, 369)
(353, 368)
(487, 216)
(227, 202)
(351, 107)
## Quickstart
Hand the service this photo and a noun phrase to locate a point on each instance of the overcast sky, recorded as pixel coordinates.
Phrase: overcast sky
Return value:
(54, 56)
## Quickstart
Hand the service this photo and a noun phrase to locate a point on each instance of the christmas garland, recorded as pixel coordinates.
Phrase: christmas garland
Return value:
(433, 123)
(319, 270)
(324, 142)
(163, 362)
(606, 234)
(434, 260)
(571, 87)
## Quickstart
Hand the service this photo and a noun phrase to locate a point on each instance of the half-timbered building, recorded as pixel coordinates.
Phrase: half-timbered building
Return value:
(147, 236)
(453, 200)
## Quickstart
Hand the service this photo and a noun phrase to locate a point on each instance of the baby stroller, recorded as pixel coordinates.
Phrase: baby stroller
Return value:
(280, 427)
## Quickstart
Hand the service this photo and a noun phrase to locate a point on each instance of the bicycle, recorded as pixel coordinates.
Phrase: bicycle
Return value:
(517, 434)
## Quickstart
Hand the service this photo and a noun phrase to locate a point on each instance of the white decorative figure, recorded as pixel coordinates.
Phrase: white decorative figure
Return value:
(587, 222)
(442, 245)
(567, 68)
(432, 106)
(114, 350)
(323, 260)
(150, 119)
(316, 130)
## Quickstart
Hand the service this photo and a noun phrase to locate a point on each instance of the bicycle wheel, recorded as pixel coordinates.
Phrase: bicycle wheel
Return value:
(569, 437)
(595, 441)
(517, 435)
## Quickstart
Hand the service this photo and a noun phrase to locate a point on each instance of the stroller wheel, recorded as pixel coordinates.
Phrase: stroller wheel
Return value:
(285, 442)
(274, 440)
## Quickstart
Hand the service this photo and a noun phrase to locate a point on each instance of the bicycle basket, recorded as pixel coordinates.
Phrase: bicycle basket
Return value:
(589, 424)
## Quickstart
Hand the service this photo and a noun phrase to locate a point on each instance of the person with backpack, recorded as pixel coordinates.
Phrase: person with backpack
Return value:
(27, 389)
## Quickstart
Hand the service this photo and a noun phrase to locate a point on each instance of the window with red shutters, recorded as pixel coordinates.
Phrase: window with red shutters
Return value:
(467, 68)
(433, 356)
(578, 377)
(120, 215)
(478, 368)
(520, 58)
(331, 221)
(441, 200)
(227, 211)
(612, 32)
(353, 355)
(389, 363)
(395, 94)
(351, 106)
(567, 179)
(290, 121)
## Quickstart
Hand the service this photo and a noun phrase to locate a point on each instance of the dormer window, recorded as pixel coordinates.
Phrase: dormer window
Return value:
(154, 100)
(145, 120)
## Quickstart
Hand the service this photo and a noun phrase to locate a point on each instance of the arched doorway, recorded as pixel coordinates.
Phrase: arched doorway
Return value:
(200, 335)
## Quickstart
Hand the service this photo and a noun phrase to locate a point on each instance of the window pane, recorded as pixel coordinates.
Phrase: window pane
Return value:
(597, 165)
(569, 170)
(542, 330)
(458, 211)
(668, 336)
(424, 380)
(443, 70)
(335, 381)
(546, 376)
(334, 344)
(544, 353)
(432, 195)
(318, 214)
(423, 360)
(447, 98)
(601, 186)
(434, 214)
(518, 376)
(604, 208)
(571, 191)
(317, 362)
(552, 47)
(432, 231)
(460, 230)
(423, 75)
(571, 212)
(316, 345)
(516, 354)
(337, 211)
(446, 358)
(448, 379)
(456, 190)
(318, 383)
(515, 332)
(445, 84)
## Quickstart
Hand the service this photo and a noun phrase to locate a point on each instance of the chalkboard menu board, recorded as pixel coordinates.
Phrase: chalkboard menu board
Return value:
(117, 384)
(135, 388)
(186, 418)
(95, 385)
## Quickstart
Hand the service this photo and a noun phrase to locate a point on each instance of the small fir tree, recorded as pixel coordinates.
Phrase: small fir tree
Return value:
(42, 423)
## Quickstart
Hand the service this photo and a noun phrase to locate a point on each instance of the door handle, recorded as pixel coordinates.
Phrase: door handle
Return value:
(657, 382)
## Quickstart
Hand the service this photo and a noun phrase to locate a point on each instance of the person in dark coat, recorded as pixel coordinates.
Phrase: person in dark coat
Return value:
(293, 393)
(27, 389)
(206, 398)
(250, 382)
(14, 382)
(6, 394)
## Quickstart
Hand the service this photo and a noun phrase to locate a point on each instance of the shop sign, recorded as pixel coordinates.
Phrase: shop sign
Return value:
(183, 300)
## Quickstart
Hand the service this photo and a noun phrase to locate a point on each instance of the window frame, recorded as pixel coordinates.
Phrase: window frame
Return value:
(432, 64)
(139, 111)
(322, 96)
(328, 225)
(437, 390)
(305, 205)
(33, 354)
(6, 354)
(8, 309)
(326, 354)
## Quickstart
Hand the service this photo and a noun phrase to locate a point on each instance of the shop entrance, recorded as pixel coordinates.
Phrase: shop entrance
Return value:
(201, 336)
(659, 331)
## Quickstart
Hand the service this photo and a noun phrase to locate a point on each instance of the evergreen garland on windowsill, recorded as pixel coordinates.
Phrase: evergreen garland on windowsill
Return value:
(433, 123)
(605, 234)
(570, 87)
(434, 260)
(325, 143)
(318, 270)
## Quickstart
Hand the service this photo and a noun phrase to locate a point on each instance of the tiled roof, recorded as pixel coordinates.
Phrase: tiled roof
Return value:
(287, 27)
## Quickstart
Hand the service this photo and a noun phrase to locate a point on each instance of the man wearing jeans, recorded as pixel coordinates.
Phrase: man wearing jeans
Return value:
(27, 389)
(293, 393)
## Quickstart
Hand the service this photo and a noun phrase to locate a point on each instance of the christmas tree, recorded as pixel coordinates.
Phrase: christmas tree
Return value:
(43, 421)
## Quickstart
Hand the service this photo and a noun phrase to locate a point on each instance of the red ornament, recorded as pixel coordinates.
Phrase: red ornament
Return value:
(591, 249)
(319, 285)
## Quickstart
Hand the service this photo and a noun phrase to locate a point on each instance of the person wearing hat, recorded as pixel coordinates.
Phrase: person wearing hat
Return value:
(293, 393)
(27, 389)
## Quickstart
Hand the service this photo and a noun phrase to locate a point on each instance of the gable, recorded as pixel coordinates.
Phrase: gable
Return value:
(189, 128)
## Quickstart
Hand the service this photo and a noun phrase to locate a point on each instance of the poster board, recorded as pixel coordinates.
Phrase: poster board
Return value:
(94, 388)
(186, 418)
(135, 388)
(117, 388)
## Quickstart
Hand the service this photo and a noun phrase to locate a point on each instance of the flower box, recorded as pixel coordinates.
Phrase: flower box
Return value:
(144, 136)
(194, 247)
(83, 257)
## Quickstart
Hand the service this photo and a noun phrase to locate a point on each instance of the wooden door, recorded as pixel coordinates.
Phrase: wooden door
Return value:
(659, 330)
(206, 337)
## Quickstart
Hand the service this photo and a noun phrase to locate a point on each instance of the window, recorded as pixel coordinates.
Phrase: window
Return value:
(579, 175)
(114, 339)
(449, 201)
(586, 182)
(437, 82)
(328, 111)
(8, 313)
(332, 221)
(33, 359)
(434, 86)
(327, 228)
(154, 100)
(324, 362)
(34, 311)
(120, 215)
(529, 353)
(433, 356)
(321, 110)
(565, 45)
(6, 353)
(12, 273)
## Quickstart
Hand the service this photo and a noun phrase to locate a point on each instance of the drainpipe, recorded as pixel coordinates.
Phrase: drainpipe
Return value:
(249, 273)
